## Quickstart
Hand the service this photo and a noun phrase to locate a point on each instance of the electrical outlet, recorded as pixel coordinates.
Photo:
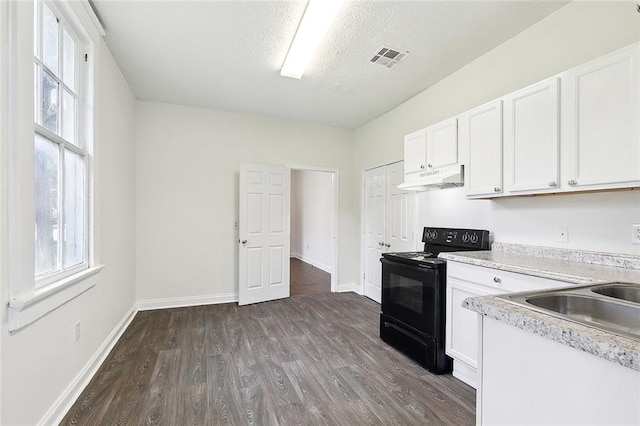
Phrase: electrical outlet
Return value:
(563, 234)
(77, 331)
(635, 234)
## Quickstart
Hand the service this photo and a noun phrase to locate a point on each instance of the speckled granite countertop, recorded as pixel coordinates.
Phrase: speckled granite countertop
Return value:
(573, 267)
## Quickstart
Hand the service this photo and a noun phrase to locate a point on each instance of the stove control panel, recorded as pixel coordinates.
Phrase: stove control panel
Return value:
(455, 237)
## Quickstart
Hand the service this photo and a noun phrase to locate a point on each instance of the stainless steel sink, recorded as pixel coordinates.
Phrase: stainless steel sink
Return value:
(610, 307)
(624, 291)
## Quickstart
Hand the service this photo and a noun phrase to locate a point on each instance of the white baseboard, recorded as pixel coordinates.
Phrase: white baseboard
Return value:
(63, 404)
(465, 373)
(349, 287)
(179, 302)
(312, 262)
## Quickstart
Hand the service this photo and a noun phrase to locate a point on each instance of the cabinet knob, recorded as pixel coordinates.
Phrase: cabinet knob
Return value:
(422, 166)
(496, 189)
(380, 243)
(572, 182)
(553, 184)
(429, 165)
(244, 242)
(497, 280)
(387, 245)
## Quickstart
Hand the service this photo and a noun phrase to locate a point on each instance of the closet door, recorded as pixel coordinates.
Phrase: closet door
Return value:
(401, 212)
(374, 229)
(389, 222)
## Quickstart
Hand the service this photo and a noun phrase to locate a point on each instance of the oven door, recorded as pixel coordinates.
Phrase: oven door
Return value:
(410, 294)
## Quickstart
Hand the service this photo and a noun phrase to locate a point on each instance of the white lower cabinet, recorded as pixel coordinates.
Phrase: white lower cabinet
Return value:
(528, 379)
(462, 333)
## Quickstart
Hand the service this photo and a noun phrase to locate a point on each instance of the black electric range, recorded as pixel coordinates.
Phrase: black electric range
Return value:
(414, 295)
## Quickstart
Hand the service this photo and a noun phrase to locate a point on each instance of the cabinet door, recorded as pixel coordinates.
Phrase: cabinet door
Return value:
(600, 120)
(461, 327)
(415, 153)
(401, 212)
(442, 144)
(375, 182)
(532, 138)
(481, 133)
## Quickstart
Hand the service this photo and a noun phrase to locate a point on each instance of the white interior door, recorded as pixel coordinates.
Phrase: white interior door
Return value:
(389, 222)
(264, 233)
(401, 212)
(374, 230)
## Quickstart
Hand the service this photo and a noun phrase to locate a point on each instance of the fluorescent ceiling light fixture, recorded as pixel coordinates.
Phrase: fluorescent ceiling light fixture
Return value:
(318, 17)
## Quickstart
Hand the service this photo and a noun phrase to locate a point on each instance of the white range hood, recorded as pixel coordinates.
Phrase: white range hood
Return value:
(444, 177)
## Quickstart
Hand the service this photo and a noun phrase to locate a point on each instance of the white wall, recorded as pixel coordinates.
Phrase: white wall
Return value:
(311, 214)
(573, 35)
(41, 360)
(187, 183)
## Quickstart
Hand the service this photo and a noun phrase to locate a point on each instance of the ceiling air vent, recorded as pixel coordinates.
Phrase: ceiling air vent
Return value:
(388, 57)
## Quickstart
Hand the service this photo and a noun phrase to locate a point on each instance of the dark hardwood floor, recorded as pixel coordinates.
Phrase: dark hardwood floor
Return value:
(313, 359)
(307, 279)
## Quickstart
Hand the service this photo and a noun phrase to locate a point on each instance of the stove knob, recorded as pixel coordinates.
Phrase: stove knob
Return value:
(473, 238)
(465, 237)
(434, 235)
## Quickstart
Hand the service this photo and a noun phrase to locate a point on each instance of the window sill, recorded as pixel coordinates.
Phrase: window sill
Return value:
(27, 308)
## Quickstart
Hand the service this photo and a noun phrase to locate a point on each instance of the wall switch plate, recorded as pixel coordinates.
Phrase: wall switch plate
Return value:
(635, 234)
(563, 234)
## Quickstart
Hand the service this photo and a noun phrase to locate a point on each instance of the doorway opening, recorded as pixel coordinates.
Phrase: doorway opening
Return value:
(313, 258)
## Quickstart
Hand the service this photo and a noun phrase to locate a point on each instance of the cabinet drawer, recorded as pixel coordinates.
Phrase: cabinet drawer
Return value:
(501, 281)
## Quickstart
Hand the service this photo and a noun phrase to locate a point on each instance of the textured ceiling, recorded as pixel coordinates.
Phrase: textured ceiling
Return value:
(226, 55)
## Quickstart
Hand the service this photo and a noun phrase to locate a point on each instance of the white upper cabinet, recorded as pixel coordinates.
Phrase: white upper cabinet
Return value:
(431, 149)
(532, 138)
(481, 135)
(415, 154)
(442, 144)
(600, 122)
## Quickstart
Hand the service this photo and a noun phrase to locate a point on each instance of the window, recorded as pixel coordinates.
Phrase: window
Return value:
(47, 115)
(60, 155)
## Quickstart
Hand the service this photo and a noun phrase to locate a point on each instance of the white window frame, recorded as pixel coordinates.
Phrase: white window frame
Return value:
(79, 147)
(28, 301)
